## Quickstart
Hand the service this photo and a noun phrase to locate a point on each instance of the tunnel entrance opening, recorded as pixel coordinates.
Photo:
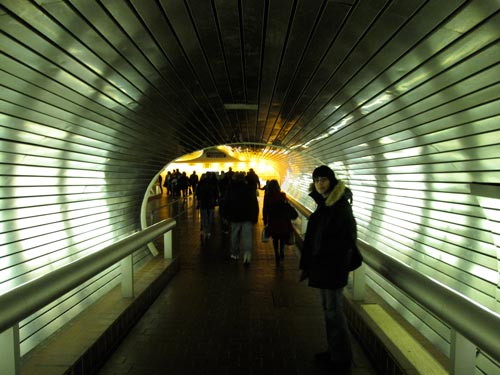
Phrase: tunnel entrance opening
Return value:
(223, 158)
(264, 159)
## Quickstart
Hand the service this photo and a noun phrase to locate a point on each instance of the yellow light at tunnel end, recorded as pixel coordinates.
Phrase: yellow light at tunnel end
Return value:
(264, 169)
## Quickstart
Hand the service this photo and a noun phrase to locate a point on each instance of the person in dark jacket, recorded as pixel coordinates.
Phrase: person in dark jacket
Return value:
(325, 260)
(242, 210)
(207, 193)
(183, 183)
(193, 182)
(276, 218)
(253, 180)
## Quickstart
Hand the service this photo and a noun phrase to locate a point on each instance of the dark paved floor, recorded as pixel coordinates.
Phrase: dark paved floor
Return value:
(218, 317)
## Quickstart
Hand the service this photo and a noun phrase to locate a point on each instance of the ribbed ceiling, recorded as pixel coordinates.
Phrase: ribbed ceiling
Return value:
(176, 76)
(400, 97)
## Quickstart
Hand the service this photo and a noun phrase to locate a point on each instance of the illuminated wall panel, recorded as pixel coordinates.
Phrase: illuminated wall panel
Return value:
(409, 153)
(401, 99)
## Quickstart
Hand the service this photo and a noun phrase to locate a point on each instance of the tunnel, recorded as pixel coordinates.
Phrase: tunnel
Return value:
(400, 98)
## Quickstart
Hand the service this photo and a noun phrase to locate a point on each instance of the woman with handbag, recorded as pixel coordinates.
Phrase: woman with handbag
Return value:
(329, 253)
(276, 219)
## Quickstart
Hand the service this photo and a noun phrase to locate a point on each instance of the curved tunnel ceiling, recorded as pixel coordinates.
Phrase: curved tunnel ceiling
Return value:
(400, 97)
(165, 78)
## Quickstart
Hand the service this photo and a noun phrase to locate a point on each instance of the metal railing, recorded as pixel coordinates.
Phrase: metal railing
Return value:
(475, 323)
(472, 326)
(21, 302)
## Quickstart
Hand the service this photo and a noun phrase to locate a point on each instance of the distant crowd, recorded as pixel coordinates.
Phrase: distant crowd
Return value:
(180, 184)
(234, 192)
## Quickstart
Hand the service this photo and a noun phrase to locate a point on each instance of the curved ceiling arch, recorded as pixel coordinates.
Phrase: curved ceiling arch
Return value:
(401, 98)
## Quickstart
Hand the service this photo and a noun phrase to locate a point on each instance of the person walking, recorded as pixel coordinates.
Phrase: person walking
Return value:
(253, 180)
(160, 183)
(193, 182)
(224, 183)
(329, 253)
(167, 183)
(183, 184)
(207, 194)
(276, 219)
(242, 210)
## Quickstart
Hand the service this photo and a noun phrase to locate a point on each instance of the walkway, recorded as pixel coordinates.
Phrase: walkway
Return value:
(217, 316)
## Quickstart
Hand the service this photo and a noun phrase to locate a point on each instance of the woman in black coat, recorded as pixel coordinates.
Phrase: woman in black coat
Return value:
(326, 260)
(276, 218)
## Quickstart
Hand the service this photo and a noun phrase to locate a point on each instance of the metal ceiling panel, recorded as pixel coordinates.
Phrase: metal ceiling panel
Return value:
(312, 31)
(400, 97)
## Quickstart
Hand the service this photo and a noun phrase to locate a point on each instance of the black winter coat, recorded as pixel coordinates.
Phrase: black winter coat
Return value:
(240, 203)
(329, 240)
(207, 193)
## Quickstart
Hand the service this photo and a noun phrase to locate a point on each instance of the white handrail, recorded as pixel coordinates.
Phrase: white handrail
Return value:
(474, 322)
(20, 302)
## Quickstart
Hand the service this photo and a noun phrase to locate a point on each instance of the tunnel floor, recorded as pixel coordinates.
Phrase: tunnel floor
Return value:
(218, 316)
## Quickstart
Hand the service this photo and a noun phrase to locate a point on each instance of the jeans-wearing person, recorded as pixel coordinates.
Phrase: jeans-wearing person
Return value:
(207, 193)
(241, 208)
(327, 258)
(337, 332)
(207, 220)
(241, 235)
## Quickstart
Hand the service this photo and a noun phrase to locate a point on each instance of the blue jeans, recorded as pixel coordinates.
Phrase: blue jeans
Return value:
(337, 332)
(207, 219)
(241, 233)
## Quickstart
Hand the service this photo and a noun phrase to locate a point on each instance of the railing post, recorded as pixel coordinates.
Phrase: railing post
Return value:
(463, 355)
(127, 269)
(10, 351)
(167, 245)
(358, 284)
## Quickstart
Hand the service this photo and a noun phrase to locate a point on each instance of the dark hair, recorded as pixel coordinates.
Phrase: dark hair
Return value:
(273, 186)
(325, 171)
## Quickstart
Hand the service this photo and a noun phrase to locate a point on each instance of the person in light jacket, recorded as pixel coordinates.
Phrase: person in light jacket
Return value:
(326, 261)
